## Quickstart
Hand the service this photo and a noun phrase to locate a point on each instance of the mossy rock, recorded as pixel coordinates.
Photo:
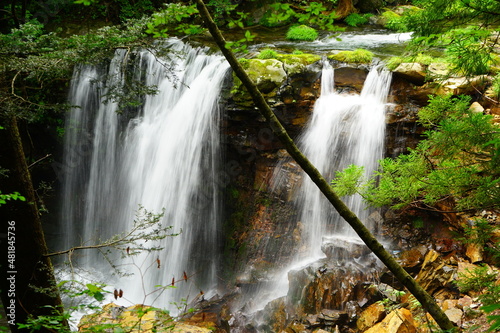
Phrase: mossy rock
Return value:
(296, 63)
(267, 74)
(359, 56)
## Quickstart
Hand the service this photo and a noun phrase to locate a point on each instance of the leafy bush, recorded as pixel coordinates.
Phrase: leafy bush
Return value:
(302, 32)
(267, 54)
(393, 21)
(360, 56)
(356, 19)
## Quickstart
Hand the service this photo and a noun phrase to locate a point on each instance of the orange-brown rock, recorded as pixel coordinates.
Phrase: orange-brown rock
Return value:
(370, 316)
(398, 321)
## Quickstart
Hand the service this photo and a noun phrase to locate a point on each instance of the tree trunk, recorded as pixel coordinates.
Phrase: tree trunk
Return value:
(28, 284)
(420, 294)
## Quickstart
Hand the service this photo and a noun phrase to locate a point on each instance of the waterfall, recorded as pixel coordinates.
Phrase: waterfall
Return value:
(164, 155)
(344, 129)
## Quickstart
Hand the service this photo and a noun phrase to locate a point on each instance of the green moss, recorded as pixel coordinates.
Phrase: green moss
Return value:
(360, 56)
(302, 32)
(268, 54)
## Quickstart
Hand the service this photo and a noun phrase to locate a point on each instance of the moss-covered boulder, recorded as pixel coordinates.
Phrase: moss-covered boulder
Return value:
(136, 318)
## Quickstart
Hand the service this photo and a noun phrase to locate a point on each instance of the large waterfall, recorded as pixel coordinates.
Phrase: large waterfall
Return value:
(163, 156)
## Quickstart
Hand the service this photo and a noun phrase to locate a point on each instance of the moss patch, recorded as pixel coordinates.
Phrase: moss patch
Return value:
(359, 56)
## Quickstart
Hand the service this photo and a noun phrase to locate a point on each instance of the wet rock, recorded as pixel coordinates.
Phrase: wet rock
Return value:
(370, 316)
(411, 71)
(331, 318)
(326, 285)
(344, 248)
(351, 77)
(398, 321)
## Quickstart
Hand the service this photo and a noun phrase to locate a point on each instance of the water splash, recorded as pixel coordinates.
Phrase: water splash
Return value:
(164, 156)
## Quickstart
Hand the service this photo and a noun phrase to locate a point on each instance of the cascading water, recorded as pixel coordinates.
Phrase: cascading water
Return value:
(166, 156)
(345, 129)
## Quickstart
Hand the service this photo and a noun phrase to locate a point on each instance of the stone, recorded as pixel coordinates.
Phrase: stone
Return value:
(437, 70)
(411, 71)
(476, 107)
(436, 272)
(461, 85)
(136, 319)
(350, 77)
(455, 315)
(398, 321)
(370, 316)
(411, 258)
(474, 252)
(343, 248)
(464, 302)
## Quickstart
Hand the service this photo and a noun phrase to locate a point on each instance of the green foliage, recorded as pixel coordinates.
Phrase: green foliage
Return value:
(495, 326)
(348, 181)
(56, 322)
(312, 14)
(495, 86)
(302, 32)
(467, 53)
(360, 56)
(241, 45)
(279, 14)
(467, 170)
(174, 17)
(12, 196)
(481, 279)
(462, 28)
(356, 19)
(267, 54)
(393, 21)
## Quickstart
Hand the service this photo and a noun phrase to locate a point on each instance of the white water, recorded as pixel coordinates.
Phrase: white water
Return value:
(345, 129)
(166, 157)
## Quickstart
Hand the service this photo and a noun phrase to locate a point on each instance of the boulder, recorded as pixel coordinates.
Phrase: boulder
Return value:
(436, 272)
(370, 316)
(398, 321)
(411, 71)
(135, 319)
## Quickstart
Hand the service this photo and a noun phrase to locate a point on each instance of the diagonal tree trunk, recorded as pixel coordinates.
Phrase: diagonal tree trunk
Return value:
(420, 294)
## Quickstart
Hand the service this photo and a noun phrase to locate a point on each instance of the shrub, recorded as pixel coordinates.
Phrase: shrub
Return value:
(393, 21)
(267, 54)
(360, 56)
(356, 19)
(302, 32)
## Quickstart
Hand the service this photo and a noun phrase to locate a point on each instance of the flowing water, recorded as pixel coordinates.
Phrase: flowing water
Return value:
(345, 129)
(164, 156)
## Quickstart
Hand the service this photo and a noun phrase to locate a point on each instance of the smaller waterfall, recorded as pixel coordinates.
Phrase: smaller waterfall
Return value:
(344, 129)
(163, 156)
